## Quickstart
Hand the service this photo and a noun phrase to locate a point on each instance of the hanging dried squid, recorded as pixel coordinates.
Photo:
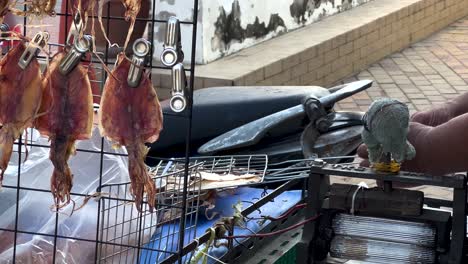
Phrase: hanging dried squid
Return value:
(4, 9)
(20, 96)
(131, 116)
(36, 8)
(68, 107)
(132, 8)
(83, 8)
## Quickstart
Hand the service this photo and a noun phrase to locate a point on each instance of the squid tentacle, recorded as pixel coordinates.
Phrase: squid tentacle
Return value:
(141, 180)
(61, 149)
(8, 135)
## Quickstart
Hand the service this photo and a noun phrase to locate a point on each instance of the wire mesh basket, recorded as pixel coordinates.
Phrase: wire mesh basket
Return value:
(125, 233)
(128, 236)
(222, 172)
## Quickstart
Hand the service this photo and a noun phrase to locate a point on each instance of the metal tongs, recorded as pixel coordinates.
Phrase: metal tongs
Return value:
(172, 53)
(38, 42)
(178, 101)
(74, 56)
(173, 56)
(79, 46)
(141, 49)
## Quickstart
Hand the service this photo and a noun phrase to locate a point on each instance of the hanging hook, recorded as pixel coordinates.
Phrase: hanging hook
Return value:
(39, 41)
(75, 29)
(141, 48)
(74, 55)
(172, 53)
(178, 102)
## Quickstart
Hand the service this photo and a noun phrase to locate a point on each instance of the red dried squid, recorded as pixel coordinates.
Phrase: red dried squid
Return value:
(68, 106)
(130, 117)
(20, 97)
(132, 8)
(85, 8)
(36, 8)
(4, 9)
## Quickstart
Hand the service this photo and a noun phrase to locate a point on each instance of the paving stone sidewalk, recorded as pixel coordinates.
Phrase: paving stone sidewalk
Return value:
(427, 73)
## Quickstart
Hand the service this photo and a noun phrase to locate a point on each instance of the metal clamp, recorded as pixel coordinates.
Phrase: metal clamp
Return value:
(4, 28)
(172, 53)
(75, 29)
(75, 54)
(141, 48)
(178, 102)
(39, 41)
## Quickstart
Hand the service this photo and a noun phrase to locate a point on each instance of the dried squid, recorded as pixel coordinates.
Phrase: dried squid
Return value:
(4, 9)
(130, 117)
(132, 8)
(37, 8)
(67, 104)
(20, 98)
(84, 8)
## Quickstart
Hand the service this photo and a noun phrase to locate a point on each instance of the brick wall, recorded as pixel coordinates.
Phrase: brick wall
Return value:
(348, 53)
(330, 50)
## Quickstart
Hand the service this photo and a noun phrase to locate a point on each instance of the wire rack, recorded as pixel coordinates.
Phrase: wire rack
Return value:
(129, 231)
(222, 167)
(155, 235)
(299, 168)
(129, 237)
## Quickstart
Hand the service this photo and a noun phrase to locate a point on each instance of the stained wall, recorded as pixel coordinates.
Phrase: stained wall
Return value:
(227, 26)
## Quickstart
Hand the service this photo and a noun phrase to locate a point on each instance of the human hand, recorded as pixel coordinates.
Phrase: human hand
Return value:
(440, 150)
(442, 113)
(439, 137)
(364, 155)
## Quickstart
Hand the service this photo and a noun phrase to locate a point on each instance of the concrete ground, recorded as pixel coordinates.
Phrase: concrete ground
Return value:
(427, 73)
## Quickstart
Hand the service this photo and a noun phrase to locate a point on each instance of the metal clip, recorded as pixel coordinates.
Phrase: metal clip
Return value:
(75, 29)
(141, 48)
(4, 28)
(39, 41)
(172, 53)
(74, 55)
(178, 102)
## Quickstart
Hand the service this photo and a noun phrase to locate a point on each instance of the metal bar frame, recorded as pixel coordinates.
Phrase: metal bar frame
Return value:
(64, 15)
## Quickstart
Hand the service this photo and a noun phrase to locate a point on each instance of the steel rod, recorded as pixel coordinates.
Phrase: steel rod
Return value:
(189, 131)
(453, 181)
